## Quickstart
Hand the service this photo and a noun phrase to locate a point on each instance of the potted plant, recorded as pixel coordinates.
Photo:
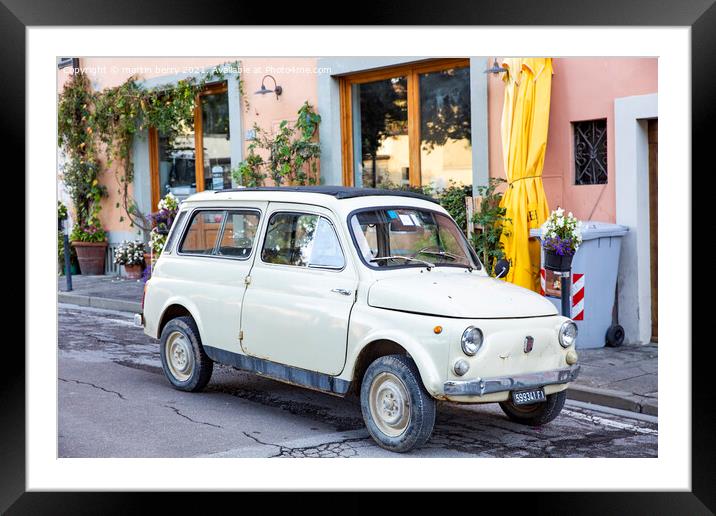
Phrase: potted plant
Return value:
(561, 237)
(90, 242)
(131, 256)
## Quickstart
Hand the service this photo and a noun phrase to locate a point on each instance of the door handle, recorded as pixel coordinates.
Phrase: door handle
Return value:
(341, 291)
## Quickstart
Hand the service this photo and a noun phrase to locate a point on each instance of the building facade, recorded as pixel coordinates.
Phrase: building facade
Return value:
(392, 121)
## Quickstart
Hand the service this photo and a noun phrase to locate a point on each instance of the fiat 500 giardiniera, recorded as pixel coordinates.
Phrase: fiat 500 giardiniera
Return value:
(347, 290)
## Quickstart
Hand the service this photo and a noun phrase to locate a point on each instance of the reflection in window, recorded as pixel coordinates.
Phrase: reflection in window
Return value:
(326, 250)
(386, 237)
(303, 240)
(445, 127)
(177, 171)
(381, 141)
(201, 236)
(216, 141)
(239, 234)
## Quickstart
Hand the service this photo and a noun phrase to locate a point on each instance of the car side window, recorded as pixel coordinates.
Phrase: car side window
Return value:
(239, 233)
(302, 240)
(200, 237)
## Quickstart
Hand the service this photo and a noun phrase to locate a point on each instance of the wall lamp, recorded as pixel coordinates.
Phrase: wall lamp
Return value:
(264, 90)
(496, 68)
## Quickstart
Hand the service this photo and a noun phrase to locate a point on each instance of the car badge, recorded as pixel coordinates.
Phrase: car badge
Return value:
(529, 343)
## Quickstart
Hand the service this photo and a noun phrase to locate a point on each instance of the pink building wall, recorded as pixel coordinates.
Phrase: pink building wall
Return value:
(295, 75)
(582, 89)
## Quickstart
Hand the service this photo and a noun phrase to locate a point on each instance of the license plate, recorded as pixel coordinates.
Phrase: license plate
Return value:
(527, 397)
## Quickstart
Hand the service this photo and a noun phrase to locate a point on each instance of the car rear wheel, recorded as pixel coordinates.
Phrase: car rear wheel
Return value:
(398, 411)
(536, 414)
(185, 364)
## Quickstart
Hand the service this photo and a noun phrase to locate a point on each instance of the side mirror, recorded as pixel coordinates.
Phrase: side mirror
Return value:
(502, 267)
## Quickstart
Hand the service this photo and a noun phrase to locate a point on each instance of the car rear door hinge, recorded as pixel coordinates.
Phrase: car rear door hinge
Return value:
(247, 280)
(241, 335)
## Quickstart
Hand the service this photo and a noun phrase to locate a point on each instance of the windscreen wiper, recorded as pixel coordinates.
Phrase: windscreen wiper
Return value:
(406, 258)
(445, 254)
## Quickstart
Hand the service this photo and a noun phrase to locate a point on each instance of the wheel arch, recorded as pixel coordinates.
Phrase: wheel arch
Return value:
(174, 309)
(383, 346)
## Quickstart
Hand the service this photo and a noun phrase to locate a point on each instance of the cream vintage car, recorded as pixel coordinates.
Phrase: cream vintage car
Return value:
(347, 290)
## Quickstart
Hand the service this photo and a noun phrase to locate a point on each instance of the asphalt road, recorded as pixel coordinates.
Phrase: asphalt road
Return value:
(115, 402)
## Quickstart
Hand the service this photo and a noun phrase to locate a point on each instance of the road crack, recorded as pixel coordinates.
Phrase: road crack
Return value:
(339, 448)
(179, 413)
(92, 385)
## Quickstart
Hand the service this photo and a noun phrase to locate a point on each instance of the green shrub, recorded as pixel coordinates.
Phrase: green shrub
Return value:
(489, 220)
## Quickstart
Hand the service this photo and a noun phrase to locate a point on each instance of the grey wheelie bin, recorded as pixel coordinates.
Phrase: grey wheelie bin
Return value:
(594, 280)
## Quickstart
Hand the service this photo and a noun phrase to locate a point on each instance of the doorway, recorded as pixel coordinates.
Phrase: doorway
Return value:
(653, 138)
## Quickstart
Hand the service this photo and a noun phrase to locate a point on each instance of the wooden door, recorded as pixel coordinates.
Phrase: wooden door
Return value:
(653, 224)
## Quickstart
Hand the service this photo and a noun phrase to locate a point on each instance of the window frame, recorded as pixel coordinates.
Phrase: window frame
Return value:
(213, 88)
(308, 266)
(220, 233)
(412, 72)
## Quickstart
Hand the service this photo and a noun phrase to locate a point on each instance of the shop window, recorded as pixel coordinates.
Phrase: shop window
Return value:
(194, 157)
(590, 152)
(408, 126)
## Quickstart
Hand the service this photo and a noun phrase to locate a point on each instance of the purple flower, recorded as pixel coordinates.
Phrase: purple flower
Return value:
(560, 246)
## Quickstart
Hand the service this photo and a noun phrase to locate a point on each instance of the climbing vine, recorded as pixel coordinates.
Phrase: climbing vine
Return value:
(291, 153)
(91, 122)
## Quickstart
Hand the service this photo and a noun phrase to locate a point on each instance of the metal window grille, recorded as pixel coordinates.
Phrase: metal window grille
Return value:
(590, 152)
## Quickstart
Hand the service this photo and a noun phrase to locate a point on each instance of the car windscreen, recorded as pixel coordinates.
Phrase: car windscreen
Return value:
(410, 237)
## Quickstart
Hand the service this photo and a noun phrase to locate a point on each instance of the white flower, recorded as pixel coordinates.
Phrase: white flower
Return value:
(560, 212)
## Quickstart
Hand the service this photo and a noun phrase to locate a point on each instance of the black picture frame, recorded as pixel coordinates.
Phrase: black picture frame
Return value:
(700, 15)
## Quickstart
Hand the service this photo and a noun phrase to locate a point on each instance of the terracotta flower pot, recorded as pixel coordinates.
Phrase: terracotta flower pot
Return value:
(91, 256)
(133, 271)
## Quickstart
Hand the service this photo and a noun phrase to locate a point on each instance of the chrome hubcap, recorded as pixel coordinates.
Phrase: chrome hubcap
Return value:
(390, 404)
(180, 357)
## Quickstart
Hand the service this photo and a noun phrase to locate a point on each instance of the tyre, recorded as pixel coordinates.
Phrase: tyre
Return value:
(536, 414)
(185, 364)
(615, 336)
(398, 411)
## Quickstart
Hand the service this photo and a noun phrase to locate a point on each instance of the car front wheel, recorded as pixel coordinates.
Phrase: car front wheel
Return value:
(184, 361)
(536, 414)
(398, 411)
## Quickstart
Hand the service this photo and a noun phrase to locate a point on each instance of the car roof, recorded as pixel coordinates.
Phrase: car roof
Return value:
(340, 199)
(339, 192)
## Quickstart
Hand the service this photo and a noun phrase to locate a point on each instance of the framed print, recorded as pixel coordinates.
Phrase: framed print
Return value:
(422, 243)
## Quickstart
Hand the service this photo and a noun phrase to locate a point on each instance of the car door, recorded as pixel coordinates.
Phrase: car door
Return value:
(215, 255)
(302, 288)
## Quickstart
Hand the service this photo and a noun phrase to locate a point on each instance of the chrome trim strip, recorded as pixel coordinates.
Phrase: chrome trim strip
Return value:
(482, 386)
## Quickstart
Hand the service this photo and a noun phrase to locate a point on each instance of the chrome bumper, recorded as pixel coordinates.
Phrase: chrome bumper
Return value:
(482, 386)
(139, 320)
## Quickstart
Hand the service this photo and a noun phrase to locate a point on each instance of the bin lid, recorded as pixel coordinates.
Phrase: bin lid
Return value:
(592, 229)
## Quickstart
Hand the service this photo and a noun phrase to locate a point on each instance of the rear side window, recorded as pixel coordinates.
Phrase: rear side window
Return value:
(200, 237)
(239, 234)
(302, 240)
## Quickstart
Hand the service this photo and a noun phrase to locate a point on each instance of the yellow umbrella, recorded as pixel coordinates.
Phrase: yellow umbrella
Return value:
(525, 120)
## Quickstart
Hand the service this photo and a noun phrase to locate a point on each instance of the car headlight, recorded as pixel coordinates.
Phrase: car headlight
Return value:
(568, 334)
(471, 340)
